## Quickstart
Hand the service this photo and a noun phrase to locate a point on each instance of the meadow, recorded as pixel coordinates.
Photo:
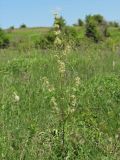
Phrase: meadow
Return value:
(58, 104)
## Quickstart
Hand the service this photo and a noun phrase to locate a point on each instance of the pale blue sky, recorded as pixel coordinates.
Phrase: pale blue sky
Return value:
(39, 12)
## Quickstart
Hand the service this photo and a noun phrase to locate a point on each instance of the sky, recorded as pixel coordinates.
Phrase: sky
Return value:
(36, 13)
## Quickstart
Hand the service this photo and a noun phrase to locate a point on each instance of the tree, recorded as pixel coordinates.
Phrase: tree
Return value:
(23, 26)
(114, 24)
(80, 22)
(12, 28)
(99, 18)
(92, 30)
(96, 27)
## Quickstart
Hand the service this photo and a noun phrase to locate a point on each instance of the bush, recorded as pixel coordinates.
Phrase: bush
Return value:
(46, 41)
(80, 22)
(92, 30)
(4, 41)
(70, 32)
(66, 35)
(106, 32)
(23, 26)
(96, 27)
(70, 36)
(12, 28)
(114, 24)
(99, 18)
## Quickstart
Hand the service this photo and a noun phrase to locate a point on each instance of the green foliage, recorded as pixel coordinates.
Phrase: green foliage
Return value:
(43, 37)
(4, 40)
(92, 30)
(46, 41)
(96, 27)
(99, 18)
(114, 24)
(106, 31)
(70, 36)
(23, 26)
(66, 35)
(60, 21)
(80, 22)
(12, 28)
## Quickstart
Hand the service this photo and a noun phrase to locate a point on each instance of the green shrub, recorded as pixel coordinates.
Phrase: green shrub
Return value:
(96, 27)
(106, 32)
(46, 41)
(23, 26)
(4, 41)
(114, 24)
(12, 28)
(70, 36)
(99, 18)
(92, 30)
(67, 35)
(80, 22)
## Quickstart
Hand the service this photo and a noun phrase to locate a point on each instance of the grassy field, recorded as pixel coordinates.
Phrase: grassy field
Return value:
(56, 106)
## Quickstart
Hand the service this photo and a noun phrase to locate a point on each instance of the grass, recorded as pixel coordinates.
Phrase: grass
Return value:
(85, 123)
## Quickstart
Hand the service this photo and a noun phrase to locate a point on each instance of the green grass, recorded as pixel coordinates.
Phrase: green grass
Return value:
(31, 129)
(24, 39)
(81, 122)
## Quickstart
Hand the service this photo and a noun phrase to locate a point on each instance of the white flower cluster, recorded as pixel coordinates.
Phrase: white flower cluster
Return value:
(46, 85)
(53, 101)
(61, 66)
(77, 81)
(73, 100)
(57, 31)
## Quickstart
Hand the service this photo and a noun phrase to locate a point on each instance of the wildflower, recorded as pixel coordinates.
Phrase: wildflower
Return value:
(16, 97)
(56, 26)
(51, 88)
(64, 53)
(47, 85)
(45, 79)
(77, 81)
(57, 41)
(54, 103)
(57, 32)
(45, 82)
(56, 56)
(71, 110)
(73, 100)
(57, 16)
(61, 66)
(67, 48)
